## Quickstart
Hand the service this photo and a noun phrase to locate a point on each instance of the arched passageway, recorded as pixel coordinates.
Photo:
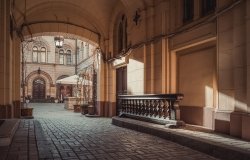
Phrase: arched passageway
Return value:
(159, 42)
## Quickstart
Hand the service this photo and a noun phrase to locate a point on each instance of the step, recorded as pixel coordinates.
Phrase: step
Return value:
(7, 131)
(214, 144)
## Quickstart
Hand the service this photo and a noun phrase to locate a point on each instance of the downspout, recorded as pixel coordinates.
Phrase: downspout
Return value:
(76, 58)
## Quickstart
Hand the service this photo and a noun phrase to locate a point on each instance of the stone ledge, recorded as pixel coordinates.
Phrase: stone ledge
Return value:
(194, 141)
(7, 131)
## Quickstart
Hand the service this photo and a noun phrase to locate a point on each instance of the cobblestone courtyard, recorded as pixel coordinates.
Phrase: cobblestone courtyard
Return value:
(56, 133)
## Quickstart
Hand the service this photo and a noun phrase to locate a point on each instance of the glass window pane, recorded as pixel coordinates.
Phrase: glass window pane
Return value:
(86, 51)
(61, 58)
(34, 54)
(68, 59)
(188, 10)
(43, 55)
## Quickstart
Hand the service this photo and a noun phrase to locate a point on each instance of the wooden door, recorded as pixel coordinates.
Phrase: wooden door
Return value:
(121, 80)
(121, 83)
(39, 88)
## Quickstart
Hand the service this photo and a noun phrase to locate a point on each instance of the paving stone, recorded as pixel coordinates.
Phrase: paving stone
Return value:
(56, 133)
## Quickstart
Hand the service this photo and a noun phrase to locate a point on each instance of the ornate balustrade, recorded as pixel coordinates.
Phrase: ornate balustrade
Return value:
(154, 106)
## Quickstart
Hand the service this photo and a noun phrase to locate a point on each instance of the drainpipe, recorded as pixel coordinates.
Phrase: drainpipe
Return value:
(76, 58)
(23, 80)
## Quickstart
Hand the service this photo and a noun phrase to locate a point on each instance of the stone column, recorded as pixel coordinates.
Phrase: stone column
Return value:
(239, 62)
(5, 61)
(16, 76)
(104, 77)
(246, 117)
(248, 53)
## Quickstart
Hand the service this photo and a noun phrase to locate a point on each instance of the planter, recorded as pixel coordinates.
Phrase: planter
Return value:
(27, 112)
(77, 108)
(91, 110)
(84, 108)
(56, 100)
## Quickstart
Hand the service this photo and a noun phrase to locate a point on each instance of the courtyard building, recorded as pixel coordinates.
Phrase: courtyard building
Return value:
(44, 64)
(175, 62)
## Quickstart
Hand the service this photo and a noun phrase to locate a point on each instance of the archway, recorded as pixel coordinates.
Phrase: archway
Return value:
(38, 89)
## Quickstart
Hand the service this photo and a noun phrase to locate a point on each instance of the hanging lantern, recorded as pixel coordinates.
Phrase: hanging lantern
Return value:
(59, 41)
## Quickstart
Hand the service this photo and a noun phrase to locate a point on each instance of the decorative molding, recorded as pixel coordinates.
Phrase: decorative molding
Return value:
(120, 62)
(41, 73)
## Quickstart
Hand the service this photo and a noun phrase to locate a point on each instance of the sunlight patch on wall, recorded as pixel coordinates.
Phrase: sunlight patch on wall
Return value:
(227, 101)
(135, 77)
(209, 96)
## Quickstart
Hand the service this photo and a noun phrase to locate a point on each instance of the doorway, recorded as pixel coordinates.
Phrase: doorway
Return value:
(121, 80)
(38, 89)
(121, 84)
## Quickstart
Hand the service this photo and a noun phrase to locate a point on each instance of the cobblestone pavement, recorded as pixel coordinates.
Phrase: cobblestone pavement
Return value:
(56, 133)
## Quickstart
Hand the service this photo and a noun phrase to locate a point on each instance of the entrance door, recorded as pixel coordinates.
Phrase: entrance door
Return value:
(39, 88)
(121, 80)
(121, 83)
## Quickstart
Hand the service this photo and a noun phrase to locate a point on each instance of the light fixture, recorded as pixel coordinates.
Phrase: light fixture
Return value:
(59, 41)
(39, 71)
(137, 17)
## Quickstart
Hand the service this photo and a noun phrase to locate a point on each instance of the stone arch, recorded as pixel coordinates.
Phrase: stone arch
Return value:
(39, 74)
(67, 47)
(42, 73)
(62, 76)
(41, 42)
(86, 24)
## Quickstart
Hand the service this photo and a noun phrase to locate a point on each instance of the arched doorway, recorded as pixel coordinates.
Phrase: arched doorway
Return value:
(38, 88)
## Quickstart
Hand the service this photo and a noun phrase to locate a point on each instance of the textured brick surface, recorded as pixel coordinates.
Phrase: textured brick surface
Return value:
(217, 145)
(56, 133)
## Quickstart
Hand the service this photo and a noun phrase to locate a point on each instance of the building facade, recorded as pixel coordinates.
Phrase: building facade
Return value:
(196, 47)
(44, 64)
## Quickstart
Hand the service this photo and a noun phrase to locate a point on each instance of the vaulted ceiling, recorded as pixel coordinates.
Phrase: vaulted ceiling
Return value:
(74, 16)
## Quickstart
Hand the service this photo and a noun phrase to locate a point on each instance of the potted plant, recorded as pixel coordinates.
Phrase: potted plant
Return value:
(89, 87)
(26, 111)
(56, 100)
(85, 105)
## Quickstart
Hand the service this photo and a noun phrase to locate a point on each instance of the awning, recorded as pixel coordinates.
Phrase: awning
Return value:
(73, 80)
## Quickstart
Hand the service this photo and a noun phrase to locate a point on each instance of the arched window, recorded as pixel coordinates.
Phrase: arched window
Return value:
(122, 35)
(86, 54)
(120, 38)
(68, 55)
(207, 7)
(82, 45)
(35, 54)
(43, 55)
(61, 56)
(82, 51)
(188, 10)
